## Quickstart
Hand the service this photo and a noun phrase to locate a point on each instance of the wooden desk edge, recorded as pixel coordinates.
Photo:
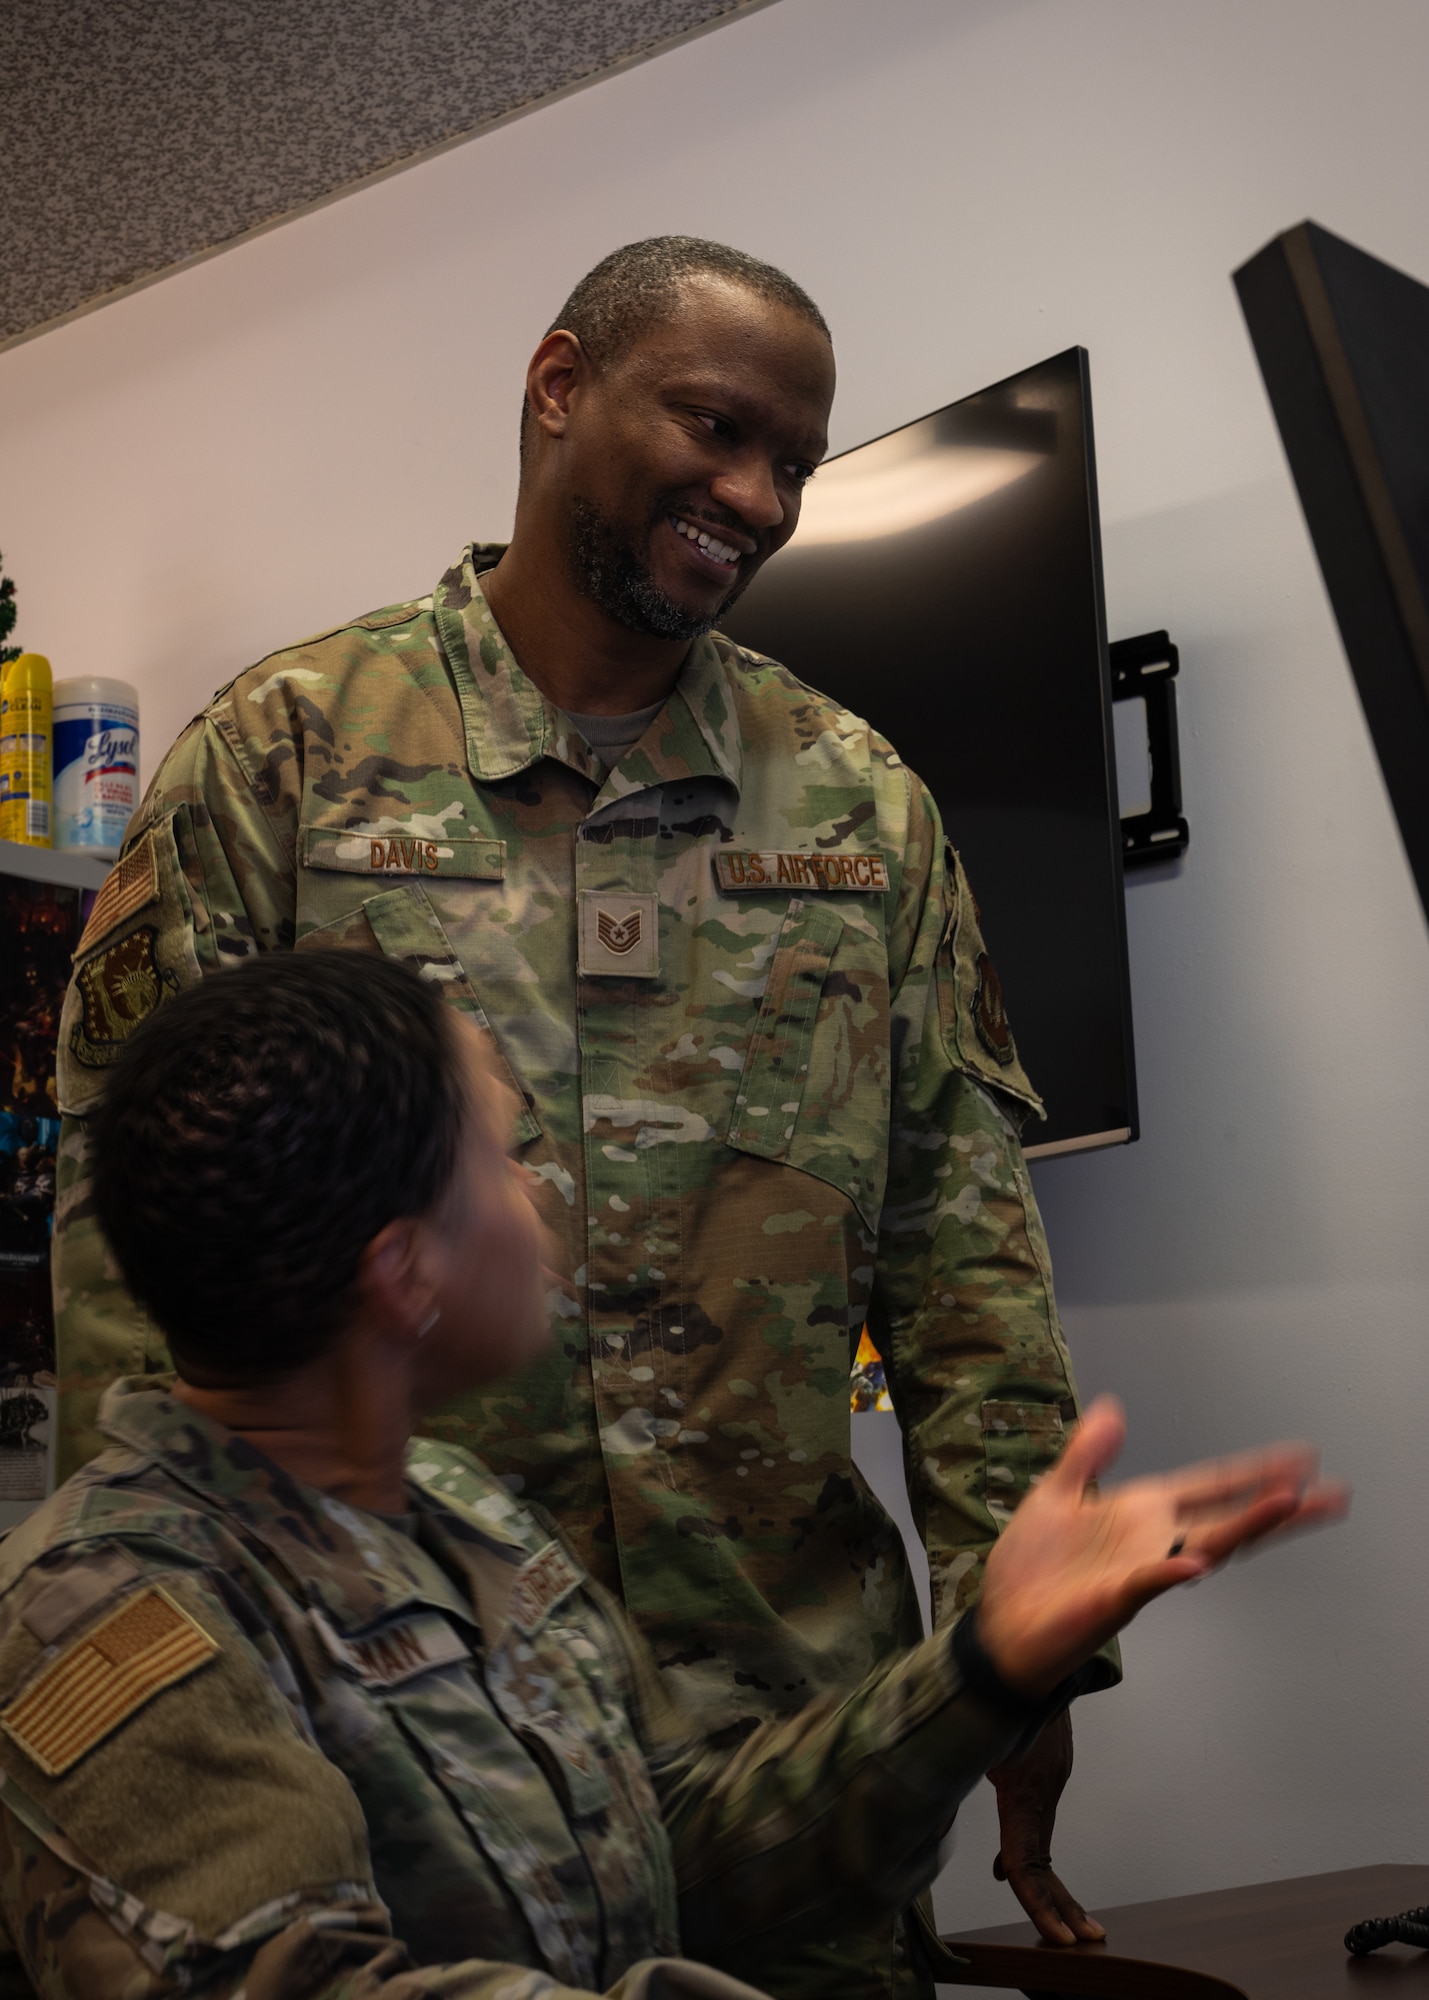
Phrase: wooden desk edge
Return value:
(1085, 1969)
(1101, 1971)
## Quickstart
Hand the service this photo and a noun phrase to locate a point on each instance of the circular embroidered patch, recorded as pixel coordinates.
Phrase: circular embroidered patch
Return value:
(990, 1014)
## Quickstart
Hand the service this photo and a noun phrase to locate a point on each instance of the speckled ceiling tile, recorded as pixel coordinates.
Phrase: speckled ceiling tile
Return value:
(137, 133)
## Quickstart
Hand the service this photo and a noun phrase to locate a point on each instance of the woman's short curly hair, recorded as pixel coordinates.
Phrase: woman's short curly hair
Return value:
(257, 1132)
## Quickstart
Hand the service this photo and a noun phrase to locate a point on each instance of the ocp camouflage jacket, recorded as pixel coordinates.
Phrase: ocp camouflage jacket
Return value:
(253, 1740)
(769, 1088)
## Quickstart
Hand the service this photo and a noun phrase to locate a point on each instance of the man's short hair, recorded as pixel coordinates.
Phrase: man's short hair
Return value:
(258, 1131)
(637, 286)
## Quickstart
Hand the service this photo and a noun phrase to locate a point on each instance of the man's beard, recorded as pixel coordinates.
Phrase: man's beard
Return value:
(608, 570)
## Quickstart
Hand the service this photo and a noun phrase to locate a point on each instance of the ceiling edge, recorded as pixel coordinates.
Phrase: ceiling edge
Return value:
(738, 12)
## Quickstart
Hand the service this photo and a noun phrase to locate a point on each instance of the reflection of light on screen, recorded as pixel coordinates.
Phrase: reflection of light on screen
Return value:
(903, 482)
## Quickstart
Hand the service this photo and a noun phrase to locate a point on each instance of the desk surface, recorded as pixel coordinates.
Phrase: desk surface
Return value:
(1271, 1941)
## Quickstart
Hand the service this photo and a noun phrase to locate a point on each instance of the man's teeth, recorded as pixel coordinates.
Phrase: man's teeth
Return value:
(721, 551)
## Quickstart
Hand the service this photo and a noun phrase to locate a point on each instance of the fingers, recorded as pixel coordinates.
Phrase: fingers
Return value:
(1059, 1917)
(1274, 1513)
(1219, 1481)
(1207, 1547)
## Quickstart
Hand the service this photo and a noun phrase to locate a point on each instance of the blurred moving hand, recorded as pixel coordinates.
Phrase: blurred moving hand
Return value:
(1074, 1565)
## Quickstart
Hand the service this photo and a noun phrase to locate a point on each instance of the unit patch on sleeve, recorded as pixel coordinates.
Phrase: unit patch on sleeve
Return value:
(994, 1030)
(98, 1682)
(746, 868)
(117, 988)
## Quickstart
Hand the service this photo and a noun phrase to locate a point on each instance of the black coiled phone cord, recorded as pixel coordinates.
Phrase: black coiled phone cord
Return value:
(1409, 1927)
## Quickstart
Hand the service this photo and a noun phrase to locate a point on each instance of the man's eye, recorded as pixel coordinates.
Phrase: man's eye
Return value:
(721, 426)
(801, 474)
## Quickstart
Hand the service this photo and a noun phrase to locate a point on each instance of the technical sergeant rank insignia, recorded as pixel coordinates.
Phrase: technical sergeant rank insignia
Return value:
(619, 935)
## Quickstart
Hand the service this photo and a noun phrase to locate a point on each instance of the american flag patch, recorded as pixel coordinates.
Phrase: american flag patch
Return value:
(100, 1680)
(131, 884)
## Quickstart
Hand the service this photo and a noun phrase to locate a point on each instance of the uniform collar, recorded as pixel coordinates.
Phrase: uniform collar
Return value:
(510, 725)
(342, 1564)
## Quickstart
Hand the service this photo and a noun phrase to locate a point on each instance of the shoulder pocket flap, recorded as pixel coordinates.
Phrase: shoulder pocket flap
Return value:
(402, 854)
(79, 1588)
(409, 930)
(1042, 1420)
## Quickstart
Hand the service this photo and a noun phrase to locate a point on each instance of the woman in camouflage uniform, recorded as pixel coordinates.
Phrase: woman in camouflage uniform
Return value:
(294, 1706)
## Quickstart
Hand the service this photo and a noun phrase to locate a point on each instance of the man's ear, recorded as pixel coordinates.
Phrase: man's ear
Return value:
(556, 369)
(393, 1278)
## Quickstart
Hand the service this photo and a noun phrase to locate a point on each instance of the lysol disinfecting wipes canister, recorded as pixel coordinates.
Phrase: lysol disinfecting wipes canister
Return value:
(96, 761)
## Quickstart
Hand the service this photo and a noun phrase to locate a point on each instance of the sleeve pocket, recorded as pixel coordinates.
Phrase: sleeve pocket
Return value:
(1020, 1441)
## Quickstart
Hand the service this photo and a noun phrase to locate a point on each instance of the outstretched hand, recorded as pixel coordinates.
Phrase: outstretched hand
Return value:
(1074, 1566)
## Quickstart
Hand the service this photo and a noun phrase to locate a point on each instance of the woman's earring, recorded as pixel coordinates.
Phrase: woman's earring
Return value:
(429, 1322)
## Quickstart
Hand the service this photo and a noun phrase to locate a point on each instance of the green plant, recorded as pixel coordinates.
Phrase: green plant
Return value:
(7, 617)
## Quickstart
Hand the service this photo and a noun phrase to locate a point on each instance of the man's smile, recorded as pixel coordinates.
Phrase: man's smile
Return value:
(711, 551)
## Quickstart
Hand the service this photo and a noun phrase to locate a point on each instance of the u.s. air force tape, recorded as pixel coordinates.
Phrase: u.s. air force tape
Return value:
(747, 868)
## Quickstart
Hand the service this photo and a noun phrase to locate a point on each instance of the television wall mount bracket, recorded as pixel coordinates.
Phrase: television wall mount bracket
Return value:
(1147, 666)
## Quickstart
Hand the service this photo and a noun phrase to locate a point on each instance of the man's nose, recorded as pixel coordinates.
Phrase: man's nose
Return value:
(747, 489)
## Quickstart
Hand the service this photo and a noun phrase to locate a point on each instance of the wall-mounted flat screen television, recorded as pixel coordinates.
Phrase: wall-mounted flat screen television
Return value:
(945, 583)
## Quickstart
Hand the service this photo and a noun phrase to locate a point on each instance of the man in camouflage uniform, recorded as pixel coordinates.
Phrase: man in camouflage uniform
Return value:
(732, 970)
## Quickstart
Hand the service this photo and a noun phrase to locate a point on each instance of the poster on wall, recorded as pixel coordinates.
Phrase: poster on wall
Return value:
(40, 925)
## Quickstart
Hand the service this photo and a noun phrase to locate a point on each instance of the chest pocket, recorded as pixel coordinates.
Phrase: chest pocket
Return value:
(411, 1692)
(510, 1810)
(814, 1092)
(407, 928)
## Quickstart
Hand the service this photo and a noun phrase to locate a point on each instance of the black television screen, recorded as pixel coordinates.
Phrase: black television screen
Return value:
(945, 583)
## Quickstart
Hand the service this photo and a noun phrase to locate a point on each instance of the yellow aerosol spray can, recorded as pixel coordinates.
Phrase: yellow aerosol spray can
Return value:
(4, 753)
(25, 734)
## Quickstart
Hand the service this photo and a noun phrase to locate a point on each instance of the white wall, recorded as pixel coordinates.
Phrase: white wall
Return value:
(311, 424)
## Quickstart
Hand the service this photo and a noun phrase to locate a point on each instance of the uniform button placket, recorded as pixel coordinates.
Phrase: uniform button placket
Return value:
(624, 1278)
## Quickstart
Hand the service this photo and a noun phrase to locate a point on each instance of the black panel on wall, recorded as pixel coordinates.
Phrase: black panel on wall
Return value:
(1343, 344)
(945, 583)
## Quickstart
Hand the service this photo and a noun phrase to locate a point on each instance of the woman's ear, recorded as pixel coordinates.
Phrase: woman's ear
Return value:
(394, 1281)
